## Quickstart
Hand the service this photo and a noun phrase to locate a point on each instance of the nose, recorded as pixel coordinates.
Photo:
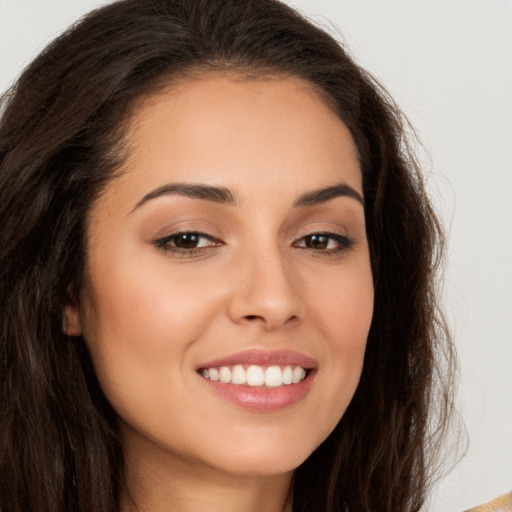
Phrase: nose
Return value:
(266, 292)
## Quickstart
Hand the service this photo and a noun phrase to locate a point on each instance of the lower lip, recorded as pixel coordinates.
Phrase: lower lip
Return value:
(263, 399)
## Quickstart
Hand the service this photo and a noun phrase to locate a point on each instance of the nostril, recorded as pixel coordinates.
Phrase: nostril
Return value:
(255, 318)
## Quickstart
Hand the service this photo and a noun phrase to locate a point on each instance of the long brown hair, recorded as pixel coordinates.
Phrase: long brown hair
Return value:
(61, 140)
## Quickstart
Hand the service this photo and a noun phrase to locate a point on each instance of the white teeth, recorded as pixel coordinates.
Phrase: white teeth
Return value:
(273, 377)
(225, 374)
(256, 376)
(288, 375)
(239, 375)
(214, 373)
(298, 374)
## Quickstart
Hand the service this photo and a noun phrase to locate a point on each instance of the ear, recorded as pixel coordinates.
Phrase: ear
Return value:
(71, 325)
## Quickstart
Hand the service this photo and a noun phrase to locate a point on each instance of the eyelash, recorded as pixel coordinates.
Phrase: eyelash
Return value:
(165, 244)
(344, 243)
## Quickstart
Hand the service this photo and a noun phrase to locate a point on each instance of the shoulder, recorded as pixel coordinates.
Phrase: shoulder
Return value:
(501, 504)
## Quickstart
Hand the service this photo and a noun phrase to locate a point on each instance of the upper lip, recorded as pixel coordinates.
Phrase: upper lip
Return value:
(263, 358)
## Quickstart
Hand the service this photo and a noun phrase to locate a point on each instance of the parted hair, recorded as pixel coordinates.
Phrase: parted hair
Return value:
(62, 139)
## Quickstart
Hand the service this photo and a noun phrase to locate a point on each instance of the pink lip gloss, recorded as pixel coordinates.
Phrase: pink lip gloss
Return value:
(261, 393)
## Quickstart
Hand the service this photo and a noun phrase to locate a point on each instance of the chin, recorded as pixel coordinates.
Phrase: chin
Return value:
(258, 466)
(258, 458)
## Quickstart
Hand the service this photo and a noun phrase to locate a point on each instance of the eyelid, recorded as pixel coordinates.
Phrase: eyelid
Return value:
(165, 225)
(320, 227)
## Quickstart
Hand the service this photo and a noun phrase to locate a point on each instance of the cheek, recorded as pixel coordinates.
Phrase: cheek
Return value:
(343, 306)
(143, 306)
(343, 314)
(138, 326)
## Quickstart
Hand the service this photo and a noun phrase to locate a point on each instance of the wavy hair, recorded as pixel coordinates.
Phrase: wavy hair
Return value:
(62, 139)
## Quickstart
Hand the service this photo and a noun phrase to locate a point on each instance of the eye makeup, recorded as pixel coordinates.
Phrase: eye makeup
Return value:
(189, 228)
(186, 243)
(325, 243)
(189, 243)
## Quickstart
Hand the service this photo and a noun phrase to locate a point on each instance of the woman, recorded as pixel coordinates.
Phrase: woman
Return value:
(217, 263)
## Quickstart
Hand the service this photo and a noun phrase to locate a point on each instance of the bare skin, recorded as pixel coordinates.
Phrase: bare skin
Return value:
(273, 263)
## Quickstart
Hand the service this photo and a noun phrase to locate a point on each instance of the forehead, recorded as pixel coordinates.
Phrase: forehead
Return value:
(226, 130)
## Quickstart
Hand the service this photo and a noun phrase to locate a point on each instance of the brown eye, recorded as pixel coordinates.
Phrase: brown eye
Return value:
(325, 242)
(186, 240)
(316, 241)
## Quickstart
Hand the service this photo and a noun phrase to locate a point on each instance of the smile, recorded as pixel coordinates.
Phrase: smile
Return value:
(260, 380)
(255, 375)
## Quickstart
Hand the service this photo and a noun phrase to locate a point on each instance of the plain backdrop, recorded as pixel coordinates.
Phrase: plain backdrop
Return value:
(448, 63)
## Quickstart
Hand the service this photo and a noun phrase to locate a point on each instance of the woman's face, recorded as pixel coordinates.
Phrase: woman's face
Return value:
(232, 247)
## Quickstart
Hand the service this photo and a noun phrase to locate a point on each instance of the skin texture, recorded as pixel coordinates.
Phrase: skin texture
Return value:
(151, 315)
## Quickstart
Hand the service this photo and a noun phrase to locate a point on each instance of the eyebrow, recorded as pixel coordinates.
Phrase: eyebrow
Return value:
(219, 195)
(223, 195)
(326, 194)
